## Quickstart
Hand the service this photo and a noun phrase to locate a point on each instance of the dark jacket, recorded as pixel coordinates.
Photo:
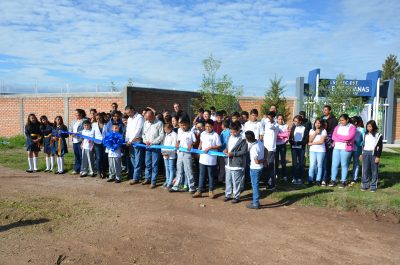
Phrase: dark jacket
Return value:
(332, 123)
(303, 141)
(239, 152)
(378, 147)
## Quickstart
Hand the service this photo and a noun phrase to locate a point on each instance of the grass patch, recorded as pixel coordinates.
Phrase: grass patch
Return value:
(12, 142)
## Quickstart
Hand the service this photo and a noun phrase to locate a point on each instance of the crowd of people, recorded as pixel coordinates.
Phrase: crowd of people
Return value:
(250, 148)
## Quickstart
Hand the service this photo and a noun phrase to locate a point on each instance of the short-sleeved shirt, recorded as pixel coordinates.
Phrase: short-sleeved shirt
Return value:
(320, 148)
(254, 126)
(207, 140)
(86, 144)
(186, 138)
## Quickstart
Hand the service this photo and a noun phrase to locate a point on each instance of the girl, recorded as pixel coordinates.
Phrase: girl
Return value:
(371, 153)
(46, 129)
(175, 123)
(317, 149)
(343, 140)
(281, 140)
(298, 140)
(358, 143)
(58, 143)
(33, 138)
(77, 127)
(169, 155)
(100, 132)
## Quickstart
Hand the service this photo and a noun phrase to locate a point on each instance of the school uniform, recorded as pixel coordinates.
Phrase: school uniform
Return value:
(114, 162)
(46, 131)
(358, 144)
(256, 151)
(317, 156)
(208, 163)
(280, 151)
(77, 127)
(99, 149)
(169, 156)
(32, 133)
(332, 122)
(87, 154)
(298, 140)
(372, 148)
(184, 163)
(270, 136)
(224, 136)
(59, 146)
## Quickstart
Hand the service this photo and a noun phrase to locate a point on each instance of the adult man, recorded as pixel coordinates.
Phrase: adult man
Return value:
(271, 129)
(134, 135)
(332, 123)
(114, 107)
(153, 133)
(180, 113)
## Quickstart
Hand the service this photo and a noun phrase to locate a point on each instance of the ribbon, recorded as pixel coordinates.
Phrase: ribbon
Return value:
(37, 137)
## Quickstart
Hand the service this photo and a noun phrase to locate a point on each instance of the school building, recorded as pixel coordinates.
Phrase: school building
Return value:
(16, 107)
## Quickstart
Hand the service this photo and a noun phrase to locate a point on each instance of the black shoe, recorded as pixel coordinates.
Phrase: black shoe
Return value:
(252, 206)
(332, 184)
(29, 171)
(318, 183)
(153, 186)
(118, 181)
(110, 180)
(146, 182)
(227, 199)
(46, 170)
(192, 192)
(172, 190)
(56, 172)
(271, 187)
(310, 184)
(35, 171)
(235, 201)
(342, 185)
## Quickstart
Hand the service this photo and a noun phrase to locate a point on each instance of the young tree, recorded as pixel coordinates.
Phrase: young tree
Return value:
(274, 96)
(217, 92)
(391, 69)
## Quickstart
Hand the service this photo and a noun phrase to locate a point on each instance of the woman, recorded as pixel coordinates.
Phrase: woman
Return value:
(100, 131)
(77, 127)
(343, 140)
(317, 149)
(358, 143)
(33, 138)
(281, 140)
(46, 129)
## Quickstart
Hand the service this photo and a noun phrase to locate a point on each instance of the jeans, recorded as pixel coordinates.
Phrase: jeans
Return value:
(78, 156)
(255, 175)
(233, 182)
(369, 171)
(136, 161)
(202, 175)
(341, 158)
(269, 166)
(184, 166)
(298, 157)
(327, 165)
(316, 163)
(151, 161)
(100, 154)
(280, 152)
(356, 162)
(170, 170)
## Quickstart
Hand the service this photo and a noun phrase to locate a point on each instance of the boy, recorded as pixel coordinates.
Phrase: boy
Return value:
(87, 151)
(224, 140)
(254, 125)
(218, 123)
(236, 150)
(114, 159)
(209, 140)
(186, 139)
(271, 129)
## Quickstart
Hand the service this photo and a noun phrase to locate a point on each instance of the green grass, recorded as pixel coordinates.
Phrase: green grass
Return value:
(12, 142)
(385, 200)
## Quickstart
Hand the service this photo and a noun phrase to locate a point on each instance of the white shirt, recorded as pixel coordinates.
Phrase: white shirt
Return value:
(254, 126)
(256, 153)
(370, 142)
(342, 130)
(186, 138)
(320, 148)
(134, 127)
(97, 133)
(170, 139)
(87, 144)
(298, 135)
(233, 140)
(270, 134)
(213, 117)
(208, 140)
(75, 130)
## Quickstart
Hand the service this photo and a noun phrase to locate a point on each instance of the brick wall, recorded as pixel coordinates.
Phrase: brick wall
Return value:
(10, 116)
(51, 107)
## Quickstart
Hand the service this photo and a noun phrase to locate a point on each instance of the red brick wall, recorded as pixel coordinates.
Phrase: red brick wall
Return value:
(51, 107)
(9, 125)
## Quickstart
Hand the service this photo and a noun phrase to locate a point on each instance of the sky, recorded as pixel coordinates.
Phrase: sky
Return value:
(53, 46)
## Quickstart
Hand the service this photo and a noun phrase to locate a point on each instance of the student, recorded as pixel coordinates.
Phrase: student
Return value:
(114, 107)
(186, 139)
(33, 138)
(114, 158)
(221, 160)
(256, 150)
(358, 143)
(331, 123)
(213, 115)
(169, 155)
(244, 117)
(209, 140)
(254, 125)
(175, 123)
(218, 123)
(87, 167)
(235, 117)
(77, 127)
(298, 139)
(343, 138)
(236, 151)
(100, 131)
(93, 113)
(124, 149)
(153, 133)
(46, 129)
(281, 141)
(317, 149)
(199, 117)
(197, 130)
(371, 153)
(270, 136)
(59, 143)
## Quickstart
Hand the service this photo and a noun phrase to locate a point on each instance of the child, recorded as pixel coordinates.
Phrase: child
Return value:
(169, 155)
(371, 153)
(46, 129)
(281, 141)
(271, 129)
(186, 139)
(209, 140)
(254, 125)
(256, 150)
(358, 143)
(59, 144)
(114, 158)
(218, 123)
(87, 151)
(317, 151)
(236, 150)
(224, 140)
(298, 139)
(33, 138)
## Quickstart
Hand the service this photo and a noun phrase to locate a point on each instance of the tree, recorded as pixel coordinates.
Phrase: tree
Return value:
(274, 96)
(215, 91)
(391, 69)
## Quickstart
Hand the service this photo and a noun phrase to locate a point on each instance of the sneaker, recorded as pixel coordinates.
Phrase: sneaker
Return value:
(211, 195)
(173, 190)
(227, 199)
(153, 186)
(110, 180)
(323, 184)
(74, 173)
(362, 189)
(234, 201)
(197, 195)
(332, 184)
(352, 183)
(372, 190)
(56, 172)
(118, 181)
(133, 182)
(92, 175)
(342, 185)
(252, 206)
(46, 170)
(83, 175)
(146, 182)
(29, 171)
(192, 192)
(318, 183)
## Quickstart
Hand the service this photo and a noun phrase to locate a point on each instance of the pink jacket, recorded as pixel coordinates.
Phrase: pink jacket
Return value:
(349, 138)
(283, 136)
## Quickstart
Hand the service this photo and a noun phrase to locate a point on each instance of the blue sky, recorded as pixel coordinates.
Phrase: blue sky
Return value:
(162, 43)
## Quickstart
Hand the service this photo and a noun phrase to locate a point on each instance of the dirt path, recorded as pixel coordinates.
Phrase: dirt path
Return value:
(94, 222)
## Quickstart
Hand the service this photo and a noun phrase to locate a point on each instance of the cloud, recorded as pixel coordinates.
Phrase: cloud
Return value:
(162, 43)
